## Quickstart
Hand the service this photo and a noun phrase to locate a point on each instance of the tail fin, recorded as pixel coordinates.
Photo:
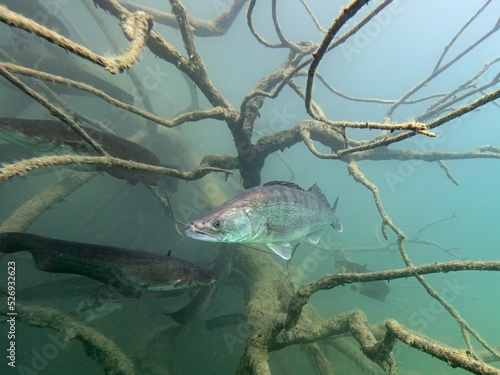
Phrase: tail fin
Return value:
(336, 222)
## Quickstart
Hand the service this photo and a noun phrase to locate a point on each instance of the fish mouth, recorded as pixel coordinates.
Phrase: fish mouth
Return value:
(198, 234)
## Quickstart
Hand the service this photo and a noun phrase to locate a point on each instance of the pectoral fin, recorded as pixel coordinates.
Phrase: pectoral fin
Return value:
(314, 237)
(283, 249)
(337, 224)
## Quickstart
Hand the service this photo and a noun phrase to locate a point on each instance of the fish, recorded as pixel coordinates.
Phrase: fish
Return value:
(201, 302)
(48, 136)
(92, 308)
(69, 287)
(132, 273)
(274, 214)
(222, 321)
(374, 289)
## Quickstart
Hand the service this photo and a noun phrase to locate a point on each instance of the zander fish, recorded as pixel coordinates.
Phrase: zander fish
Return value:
(275, 214)
(133, 273)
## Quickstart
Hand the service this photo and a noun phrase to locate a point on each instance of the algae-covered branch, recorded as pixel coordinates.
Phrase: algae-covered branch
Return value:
(126, 126)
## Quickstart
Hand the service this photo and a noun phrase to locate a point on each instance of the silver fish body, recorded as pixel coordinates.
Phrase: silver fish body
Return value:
(275, 214)
(93, 308)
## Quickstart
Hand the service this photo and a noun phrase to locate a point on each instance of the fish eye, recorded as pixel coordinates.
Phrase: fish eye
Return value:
(216, 223)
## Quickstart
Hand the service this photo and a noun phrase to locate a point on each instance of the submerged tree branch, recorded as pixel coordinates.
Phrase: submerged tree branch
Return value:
(454, 357)
(277, 317)
(138, 26)
(331, 281)
(203, 28)
(215, 113)
(97, 346)
(344, 15)
(52, 109)
(22, 167)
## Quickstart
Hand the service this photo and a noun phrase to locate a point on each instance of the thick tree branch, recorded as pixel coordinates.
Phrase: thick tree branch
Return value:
(138, 26)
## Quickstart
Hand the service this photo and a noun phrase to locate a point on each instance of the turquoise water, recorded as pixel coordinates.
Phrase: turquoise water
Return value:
(392, 54)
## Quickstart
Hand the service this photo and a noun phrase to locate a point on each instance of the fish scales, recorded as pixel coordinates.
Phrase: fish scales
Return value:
(274, 214)
(294, 208)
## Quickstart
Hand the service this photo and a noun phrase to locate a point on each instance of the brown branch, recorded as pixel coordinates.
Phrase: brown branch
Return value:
(483, 152)
(307, 131)
(317, 355)
(464, 326)
(354, 323)
(440, 121)
(345, 346)
(313, 17)
(435, 73)
(359, 24)
(203, 28)
(138, 26)
(453, 40)
(360, 177)
(134, 77)
(96, 346)
(454, 357)
(465, 109)
(166, 51)
(186, 31)
(369, 100)
(345, 14)
(22, 167)
(218, 113)
(284, 41)
(257, 36)
(452, 97)
(448, 172)
(331, 281)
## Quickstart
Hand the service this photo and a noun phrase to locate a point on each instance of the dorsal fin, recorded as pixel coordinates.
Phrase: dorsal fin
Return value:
(319, 194)
(283, 183)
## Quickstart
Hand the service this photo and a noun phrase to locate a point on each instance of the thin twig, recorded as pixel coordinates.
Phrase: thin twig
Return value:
(453, 40)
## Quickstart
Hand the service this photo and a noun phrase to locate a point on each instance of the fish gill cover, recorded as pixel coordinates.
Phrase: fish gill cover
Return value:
(137, 118)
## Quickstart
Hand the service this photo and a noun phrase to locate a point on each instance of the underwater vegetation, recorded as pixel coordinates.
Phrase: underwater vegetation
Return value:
(142, 147)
